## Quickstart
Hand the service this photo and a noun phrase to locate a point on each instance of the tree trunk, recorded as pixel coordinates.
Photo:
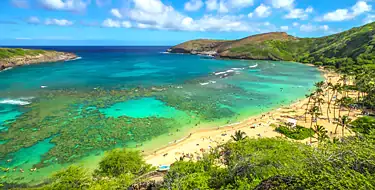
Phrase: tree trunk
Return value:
(307, 108)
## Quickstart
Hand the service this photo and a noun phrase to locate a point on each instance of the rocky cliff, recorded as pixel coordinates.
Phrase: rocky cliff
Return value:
(13, 57)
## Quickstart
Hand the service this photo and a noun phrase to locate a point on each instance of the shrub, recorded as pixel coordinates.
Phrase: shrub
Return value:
(121, 161)
(298, 133)
(363, 125)
(74, 177)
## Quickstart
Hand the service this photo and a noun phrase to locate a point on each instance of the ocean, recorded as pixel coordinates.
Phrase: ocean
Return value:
(56, 114)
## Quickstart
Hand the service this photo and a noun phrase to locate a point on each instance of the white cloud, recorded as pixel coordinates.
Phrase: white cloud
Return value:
(282, 3)
(313, 28)
(224, 6)
(302, 14)
(361, 7)
(109, 23)
(240, 3)
(295, 24)
(212, 5)
(324, 27)
(369, 19)
(33, 20)
(307, 28)
(284, 28)
(345, 14)
(59, 22)
(126, 24)
(154, 14)
(193, 5)
(261, 11)
(67, 5)
(116, 13)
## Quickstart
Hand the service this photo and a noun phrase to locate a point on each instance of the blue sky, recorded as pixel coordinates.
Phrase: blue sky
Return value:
(167, 22)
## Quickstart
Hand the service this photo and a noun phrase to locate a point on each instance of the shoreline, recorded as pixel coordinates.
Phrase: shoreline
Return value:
(197, 141)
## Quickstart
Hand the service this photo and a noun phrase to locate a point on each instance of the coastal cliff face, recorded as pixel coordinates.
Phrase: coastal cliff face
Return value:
(355, 46)
(10, 57)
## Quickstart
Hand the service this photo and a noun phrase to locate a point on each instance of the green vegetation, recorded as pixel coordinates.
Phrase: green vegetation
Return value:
(297, 133)
(119, 169)
(279, 164)
(14, 52)
(239, 136)
(121, 161)
(363, 125)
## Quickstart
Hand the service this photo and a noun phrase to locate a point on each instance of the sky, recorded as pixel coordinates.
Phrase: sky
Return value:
(168, 22)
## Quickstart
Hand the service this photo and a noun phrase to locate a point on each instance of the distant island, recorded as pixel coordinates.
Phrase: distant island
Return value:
(354, 46)
(12, 57)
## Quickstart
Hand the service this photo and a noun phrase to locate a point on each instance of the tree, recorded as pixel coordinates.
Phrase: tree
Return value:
(239, 135)
(321, 132)
(74, 177)
(310, 96)
(122, 161)
(343, 122)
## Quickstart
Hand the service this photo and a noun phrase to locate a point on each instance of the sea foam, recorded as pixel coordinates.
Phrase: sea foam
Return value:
(77, 58)
(19, 101)
(254, 66)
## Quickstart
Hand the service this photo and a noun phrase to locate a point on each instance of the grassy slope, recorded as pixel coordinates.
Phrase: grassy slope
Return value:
(354, 46)
(15, 52)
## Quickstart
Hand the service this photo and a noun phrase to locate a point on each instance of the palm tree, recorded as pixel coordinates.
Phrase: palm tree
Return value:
(335, 88)
(343, 122)
(308, 104)
(314, 111)
(321, 132)
(239, 136)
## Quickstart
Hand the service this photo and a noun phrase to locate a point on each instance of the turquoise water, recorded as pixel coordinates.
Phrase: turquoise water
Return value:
(141, 108)
(127, 97)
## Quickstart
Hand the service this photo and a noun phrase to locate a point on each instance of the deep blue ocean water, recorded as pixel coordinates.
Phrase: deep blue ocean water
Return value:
(233, 88)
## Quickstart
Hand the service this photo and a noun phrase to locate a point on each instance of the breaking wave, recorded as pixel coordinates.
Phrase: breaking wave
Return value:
(254, 66)
(20, 101)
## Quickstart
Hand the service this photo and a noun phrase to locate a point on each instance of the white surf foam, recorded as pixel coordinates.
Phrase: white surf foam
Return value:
(165, 52)
(15, 102)
(8, 68)
(77, 58)
(254, 66)
(224, 72)
(209, 82)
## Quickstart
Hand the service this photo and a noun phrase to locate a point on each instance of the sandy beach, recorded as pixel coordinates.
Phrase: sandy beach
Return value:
(261, 126)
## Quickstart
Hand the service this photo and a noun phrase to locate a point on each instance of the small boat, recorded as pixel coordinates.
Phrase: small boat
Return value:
(43, 86)
(163, 168)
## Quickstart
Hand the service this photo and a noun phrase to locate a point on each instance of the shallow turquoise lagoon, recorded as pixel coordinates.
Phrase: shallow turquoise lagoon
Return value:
(141, 108)
(127, 97)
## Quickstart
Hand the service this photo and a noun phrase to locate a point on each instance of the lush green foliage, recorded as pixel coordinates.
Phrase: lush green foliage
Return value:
(12, 52)
(297, 133)
(279, 164)
(119, 169)
(73, 177)
(122, 161)
(363, 125)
